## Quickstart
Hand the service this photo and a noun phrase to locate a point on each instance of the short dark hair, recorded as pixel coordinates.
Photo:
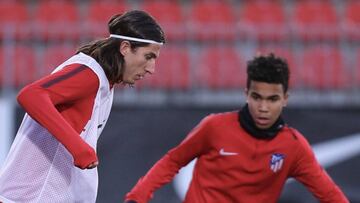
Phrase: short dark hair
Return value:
(135, 23)
(270, 69)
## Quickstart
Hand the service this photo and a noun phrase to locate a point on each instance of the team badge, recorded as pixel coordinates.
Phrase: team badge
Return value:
(276, 162)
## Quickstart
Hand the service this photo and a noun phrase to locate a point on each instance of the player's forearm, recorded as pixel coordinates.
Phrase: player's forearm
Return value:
(320, 183)
(39, 106)
(326, 190)
(308, 171)
(335, 196)
(160, 174)
(329, 193)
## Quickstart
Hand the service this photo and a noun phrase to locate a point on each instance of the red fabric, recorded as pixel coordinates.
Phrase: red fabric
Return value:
(62, 103)
(242, 177)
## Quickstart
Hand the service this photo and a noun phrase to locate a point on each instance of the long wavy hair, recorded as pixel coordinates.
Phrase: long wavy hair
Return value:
(106, 52)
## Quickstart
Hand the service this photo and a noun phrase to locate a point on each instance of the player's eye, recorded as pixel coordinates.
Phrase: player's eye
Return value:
(255, 97)
(274, 99)
(148, 57)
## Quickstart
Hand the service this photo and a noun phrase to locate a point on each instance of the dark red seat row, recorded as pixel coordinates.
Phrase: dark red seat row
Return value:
(198, 20)
(210, 67)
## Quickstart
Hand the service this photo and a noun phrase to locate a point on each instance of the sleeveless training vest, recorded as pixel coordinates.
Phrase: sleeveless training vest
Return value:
(39, 169)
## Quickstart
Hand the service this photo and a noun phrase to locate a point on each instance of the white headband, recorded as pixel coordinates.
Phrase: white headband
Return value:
(136, 39)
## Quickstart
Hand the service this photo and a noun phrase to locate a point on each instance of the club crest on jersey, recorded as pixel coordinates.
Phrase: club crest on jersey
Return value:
(276, 162)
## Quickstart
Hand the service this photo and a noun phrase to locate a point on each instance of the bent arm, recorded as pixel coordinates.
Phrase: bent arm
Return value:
(309, 172)
(168, 166)
(160, 174)
(43, 98)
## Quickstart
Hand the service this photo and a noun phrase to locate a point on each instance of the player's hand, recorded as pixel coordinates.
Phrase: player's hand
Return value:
(93, 165)
(86, 158)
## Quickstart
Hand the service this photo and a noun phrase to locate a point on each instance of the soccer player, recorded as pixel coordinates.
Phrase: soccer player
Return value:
(67, 111)
(244, 156)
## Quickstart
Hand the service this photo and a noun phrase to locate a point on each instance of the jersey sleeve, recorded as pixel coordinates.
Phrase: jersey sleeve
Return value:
(165, 169)
(308, 171)
(43, 101)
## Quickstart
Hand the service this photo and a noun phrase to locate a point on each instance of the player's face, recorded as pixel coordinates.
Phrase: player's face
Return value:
(265, 101)
(138, 62)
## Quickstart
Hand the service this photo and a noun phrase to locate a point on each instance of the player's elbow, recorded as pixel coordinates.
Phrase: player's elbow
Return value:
(25, 95)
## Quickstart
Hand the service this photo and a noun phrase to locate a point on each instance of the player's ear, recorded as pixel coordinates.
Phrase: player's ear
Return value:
(125, 47)
(246, 91)
(286, 98)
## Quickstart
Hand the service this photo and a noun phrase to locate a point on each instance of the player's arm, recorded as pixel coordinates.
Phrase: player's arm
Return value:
(41, 99)
(308, 171)
(165, 169)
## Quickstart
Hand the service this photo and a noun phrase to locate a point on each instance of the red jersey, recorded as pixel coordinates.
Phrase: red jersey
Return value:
(233, 166)
(62, 103)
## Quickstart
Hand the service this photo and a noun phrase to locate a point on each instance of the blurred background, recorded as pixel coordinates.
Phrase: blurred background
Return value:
(201, 70)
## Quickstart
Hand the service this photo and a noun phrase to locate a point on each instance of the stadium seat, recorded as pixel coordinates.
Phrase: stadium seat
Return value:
(171, 72)
(219, 68)
(53, 56)
(314, 20)
(211, 20)
(351, 21)
(57, 20)
(98, 15)
(323, 68)
(262, 20)
(19, 66)
(14, 20)
(170, 17)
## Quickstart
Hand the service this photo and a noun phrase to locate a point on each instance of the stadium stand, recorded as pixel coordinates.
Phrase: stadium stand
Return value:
(322, 68)
(13, 19)
(314, 20)
(201, 34)
(56, 20)
(220, 67)
(98, 14)
(172, 70)
(21, 59)
(170, 15)
(263, 20)
(54, 55)
(210, 20)
(351, 22)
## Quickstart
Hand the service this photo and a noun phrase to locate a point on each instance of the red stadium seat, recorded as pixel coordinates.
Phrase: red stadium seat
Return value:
(171, 71)
(170, 17)
(53, 56)
(57, 20)
(14, 20)
(351, 21)
(18, 65)
(323, 68)
(211, 20)
(220, 67)
(98, 15)
(315, 20)
(263, 20)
